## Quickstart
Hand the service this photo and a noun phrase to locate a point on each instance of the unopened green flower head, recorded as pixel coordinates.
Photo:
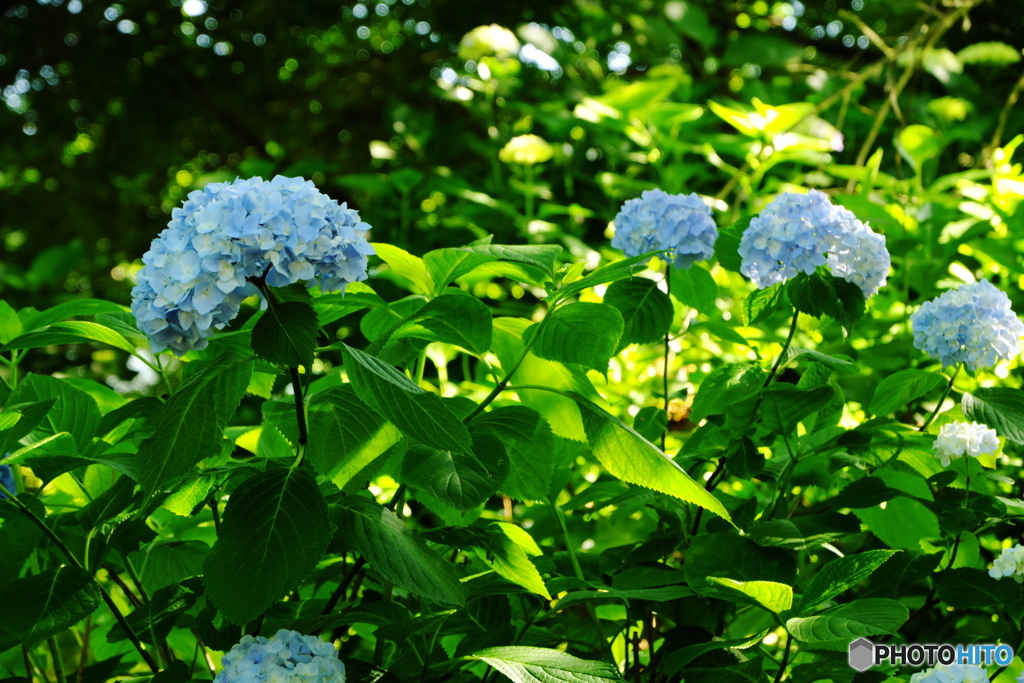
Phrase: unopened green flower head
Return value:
(488, 41)
(526, 150)
(288, 657)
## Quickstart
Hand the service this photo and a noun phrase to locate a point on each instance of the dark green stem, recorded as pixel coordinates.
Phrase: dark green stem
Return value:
(938, 406)
(785, 659)
(785, 348)
(343, 585)
(58, 665)
(300, 411)
(664, 386)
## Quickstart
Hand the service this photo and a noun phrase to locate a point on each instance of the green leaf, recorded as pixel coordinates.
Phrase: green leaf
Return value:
(585, 334)
(695, 288)
(40, 606)
(356, 297)
(286, 334)
(167, 563)
(720, 330)
(646, 310)
(727, 246)
(539, 665)
(395, 553)
(840, 575)
(406, 265)
(818, 295)
(726, 386)
(507, 551)
(864, 493)
(900, 388)
(447, 265)
(71, 309)
(541, 256)
(462, 480)
(650, 422)
(107, 505)
(775, 597)
(1000, 408)
(634, 459)
(804, 531)
(192, 421)
(736, 558)
(69, 333)
(529, 445)
(74, 411)
(10, 323)
(18, 538)
(275, 530)
(902, 524)
(611, 272)
(762, 303)
(154, 619)
(123, 323)
(743, 459)
(917, 144)
(974, 589)
(784, 405)
(865, 617)
(455, 318)
(20, 420)
(420, 415)
(345, 435)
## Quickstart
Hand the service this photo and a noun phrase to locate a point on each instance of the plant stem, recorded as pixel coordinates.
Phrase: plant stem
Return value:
(58, 665)
(529, 195)
(785, 348)
(560, 515)
(83, 659)
(664, 386)
(938, 406)
(785, 659)
(300, 411)
(154, 667)
(343, 585)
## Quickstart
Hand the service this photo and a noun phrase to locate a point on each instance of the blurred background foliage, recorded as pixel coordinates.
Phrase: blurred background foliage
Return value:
(903, 111)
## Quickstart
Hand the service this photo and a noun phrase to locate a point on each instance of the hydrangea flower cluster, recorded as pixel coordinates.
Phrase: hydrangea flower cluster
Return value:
(288, 657)
(484, 41)
(1010, 563)
(799, 232)
(951, 673)
(959, 439)
(6, 480)
(658, 220)
(196, 272)
(973, 325)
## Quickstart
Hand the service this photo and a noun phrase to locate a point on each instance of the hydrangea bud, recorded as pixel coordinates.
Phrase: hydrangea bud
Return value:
(973, 325)
(796, 233)
(488, 41)
(195, 274)
(1010, 563)
(658, 220)
(951, 673)
(7, 480)
(526, 150)
(288, 657)
(959, 439)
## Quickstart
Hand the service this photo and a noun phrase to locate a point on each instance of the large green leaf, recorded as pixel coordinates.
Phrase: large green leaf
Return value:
(286, 334)
(69, 333)
(447, 265)
(646, 310)
(819, 295)
(529, 445)
(18, 538)
(762, 303)
(18, 421)
(974, 589)
(725, 387)
(503, 547)
(170, 562)
(735, 557)
(542, 256)
(634, 459)
(406, 265)
(275, 530)
(10, 323)
(43, 605)
(900, 388)
(1000, 408)
(74, 411)
(420, 415)
(840, 575)
(395, 552)
(611, 272)
(154, 619)
(784, 405)
(192, 421)
(775, 597)
(585, 334)
(454, 318)
(865, 617)
(462, 480)
(70, 309)
(345, 436)
(727, 245)
(540, 665)
(695, 288)
(901, 524)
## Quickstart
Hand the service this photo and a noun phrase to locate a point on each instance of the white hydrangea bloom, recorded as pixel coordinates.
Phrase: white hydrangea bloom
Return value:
(957, 439)
(1010, 563)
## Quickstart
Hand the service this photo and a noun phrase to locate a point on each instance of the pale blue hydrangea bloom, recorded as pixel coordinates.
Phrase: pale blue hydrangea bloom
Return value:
(1009, 563)
(288, 657)
(973, 325)
(658, 220)
(960, 439)
(951, 673)
(195, 274)
(796, 233)
(7, 480)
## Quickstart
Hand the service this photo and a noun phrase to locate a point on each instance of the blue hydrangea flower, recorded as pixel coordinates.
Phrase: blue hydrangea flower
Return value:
(799, 232)
(195, 273)
(951, 673)
(658, 220)
(973, 325)
(6, 480)
(288, 657)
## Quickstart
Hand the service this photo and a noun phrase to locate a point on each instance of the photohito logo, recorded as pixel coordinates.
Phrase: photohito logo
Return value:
(864, 654)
